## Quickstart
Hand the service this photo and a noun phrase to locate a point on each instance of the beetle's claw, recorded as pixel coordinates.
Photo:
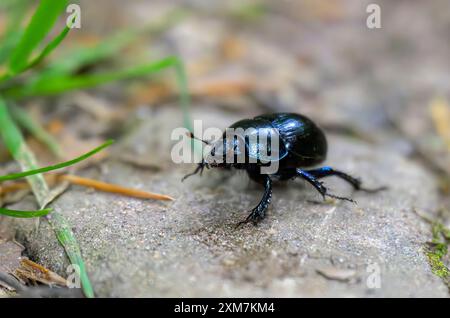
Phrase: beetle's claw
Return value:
(340, 198)
(188, 175)
(200, 168)
(253, 217)
(248, 219)
(242, 222)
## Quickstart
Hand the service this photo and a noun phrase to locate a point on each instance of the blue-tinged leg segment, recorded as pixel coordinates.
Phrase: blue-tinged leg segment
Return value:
(313, 180)
(329, 171)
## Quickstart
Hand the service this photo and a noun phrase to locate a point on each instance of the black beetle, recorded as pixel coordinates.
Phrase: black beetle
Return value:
(301, 144)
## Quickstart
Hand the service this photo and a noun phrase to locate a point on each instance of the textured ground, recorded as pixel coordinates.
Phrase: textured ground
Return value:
(369, 89)
(305, 247)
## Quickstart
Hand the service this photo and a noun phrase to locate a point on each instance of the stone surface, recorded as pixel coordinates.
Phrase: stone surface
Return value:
(10, 253)
(190, 247)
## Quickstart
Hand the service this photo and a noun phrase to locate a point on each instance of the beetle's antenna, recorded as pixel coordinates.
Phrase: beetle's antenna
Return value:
(191, 135)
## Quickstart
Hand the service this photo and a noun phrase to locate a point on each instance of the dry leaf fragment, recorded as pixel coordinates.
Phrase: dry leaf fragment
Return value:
(31, 271)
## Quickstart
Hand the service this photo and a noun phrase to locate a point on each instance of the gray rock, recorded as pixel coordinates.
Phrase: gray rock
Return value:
(190, 247)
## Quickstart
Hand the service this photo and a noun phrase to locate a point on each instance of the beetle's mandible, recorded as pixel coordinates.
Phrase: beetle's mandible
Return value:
(301, 144)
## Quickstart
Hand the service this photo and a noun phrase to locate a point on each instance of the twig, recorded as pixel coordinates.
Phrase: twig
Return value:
(108, 187)
(92, 183)
(38, 292)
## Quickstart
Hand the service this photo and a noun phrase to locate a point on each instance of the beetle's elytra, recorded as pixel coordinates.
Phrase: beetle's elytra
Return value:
(302, 144)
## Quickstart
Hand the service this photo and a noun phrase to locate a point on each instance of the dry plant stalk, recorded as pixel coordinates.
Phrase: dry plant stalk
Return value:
(108, 187)
(31, 271)
(91, 183)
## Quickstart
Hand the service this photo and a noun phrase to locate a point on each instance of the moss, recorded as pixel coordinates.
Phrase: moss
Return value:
(438, 267)
(437, 249)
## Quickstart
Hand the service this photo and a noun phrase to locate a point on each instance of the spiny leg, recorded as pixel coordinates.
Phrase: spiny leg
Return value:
(200, 168)
(319, 185)
(202, 164)
(328, 172)
(259, 212)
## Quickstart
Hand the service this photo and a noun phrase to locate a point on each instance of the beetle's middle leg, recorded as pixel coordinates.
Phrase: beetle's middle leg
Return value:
(328, 172)
(259, 212)
(306, 175)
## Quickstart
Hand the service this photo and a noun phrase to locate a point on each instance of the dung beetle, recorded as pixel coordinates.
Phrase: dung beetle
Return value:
(301, 144)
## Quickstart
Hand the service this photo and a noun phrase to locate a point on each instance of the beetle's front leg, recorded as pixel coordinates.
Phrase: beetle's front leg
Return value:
(200, 168)
(259, 212)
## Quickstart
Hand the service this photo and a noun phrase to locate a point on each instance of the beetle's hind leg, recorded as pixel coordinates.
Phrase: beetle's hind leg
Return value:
(313, 180)
(259, 212)
(328, 172)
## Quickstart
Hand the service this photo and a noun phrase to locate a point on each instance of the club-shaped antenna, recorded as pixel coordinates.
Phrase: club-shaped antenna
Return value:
(191, 135)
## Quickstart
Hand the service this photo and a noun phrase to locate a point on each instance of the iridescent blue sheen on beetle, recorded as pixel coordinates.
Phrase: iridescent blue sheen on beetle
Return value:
(302, 144)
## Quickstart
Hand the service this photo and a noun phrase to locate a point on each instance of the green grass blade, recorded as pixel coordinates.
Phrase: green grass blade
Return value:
(56, 166)
(28, 123)
(11, 135)
(185, 102)
(41, 23)
(76, 58)
(6, 45)
(15, 13)
(16, 145)
(65, 236)
(24, 214)
(182, 83)
(57, 85)
(49, 47)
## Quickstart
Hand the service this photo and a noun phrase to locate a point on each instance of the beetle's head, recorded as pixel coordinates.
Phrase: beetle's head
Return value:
(226, 152)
